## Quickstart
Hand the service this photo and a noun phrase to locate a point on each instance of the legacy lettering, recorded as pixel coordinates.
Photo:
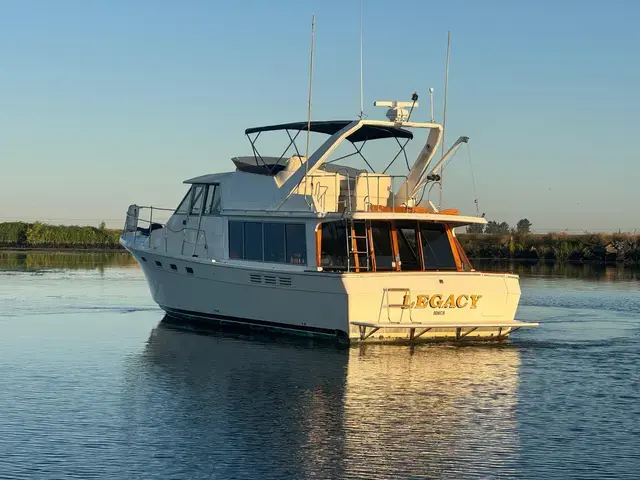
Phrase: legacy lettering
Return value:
(441, 301)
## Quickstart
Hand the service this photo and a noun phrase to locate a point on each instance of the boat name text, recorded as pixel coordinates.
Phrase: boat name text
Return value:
(441, 301)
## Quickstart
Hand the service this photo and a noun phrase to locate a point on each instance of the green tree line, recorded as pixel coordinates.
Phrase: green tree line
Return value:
(494, 228)
(42, 235)
(563, 247)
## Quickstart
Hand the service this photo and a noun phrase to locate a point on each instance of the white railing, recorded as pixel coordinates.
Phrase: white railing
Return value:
(136, 215)
(345, 193)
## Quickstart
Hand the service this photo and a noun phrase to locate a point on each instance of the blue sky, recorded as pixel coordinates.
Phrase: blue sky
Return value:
(108, 103)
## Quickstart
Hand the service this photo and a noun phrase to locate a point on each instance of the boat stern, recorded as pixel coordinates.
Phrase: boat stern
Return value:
(432, 306)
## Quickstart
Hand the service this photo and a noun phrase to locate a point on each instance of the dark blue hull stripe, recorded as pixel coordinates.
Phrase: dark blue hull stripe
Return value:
(222, 319)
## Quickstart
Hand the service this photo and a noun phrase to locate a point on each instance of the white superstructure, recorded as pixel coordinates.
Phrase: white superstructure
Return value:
(306, 245)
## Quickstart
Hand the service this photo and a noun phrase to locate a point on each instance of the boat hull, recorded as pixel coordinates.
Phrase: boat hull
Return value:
(321, 304)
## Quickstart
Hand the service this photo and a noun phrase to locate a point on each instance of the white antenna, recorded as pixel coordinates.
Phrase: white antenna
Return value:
(313, 31)
(361, 88)
(433, 119)
(444, 113)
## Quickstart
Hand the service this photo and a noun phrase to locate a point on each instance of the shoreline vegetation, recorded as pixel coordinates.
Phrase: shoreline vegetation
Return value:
(600, 248)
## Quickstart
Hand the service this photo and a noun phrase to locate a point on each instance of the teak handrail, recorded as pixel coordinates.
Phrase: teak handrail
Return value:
(416, 209)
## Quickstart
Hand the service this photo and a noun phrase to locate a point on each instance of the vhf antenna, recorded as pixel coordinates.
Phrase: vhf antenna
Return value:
(361, 87)
(444, 111)
(433, 118)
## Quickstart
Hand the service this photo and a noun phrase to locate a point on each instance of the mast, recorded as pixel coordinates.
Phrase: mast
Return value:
(444, 113)
(313, 30)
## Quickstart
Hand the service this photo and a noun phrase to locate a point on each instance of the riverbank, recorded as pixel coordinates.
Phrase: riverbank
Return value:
(558, 247)
(41, 236)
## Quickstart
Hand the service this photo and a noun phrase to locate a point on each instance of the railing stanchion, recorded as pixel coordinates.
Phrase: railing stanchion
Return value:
(150, 225)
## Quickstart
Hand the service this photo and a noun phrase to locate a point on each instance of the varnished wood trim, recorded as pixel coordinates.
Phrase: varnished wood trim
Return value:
(319, 245)
(463, 254)
(454, 248)
(449, 211)
(372, 252)
(419, 242)
(394, 243)
(416, 209)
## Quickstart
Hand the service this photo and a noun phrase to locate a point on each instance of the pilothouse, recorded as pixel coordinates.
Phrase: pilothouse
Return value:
(314, 243)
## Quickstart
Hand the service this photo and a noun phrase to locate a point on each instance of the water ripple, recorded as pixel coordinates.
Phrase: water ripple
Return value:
(93, 386)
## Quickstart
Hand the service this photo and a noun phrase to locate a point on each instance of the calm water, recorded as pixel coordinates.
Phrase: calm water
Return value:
(94, 385)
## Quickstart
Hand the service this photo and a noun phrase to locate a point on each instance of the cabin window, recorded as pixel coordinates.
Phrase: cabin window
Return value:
(236, 240)
(381, 235)
(192, 203)
(418, 245)
(197, 198)
(436, 247)
(183, 208)
(212, 200)
(333, 252)
(408, 247)
(268, 241)
(274, 242)
(253, 241)
(296, 243)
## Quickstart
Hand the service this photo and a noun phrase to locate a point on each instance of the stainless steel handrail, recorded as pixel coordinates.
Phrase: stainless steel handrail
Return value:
(195, 244)
(140, 219)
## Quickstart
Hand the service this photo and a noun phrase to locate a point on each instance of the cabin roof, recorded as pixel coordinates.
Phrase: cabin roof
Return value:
(209, 178)
(364, 133)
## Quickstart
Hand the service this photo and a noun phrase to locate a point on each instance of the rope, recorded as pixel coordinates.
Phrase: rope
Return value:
(473, 181)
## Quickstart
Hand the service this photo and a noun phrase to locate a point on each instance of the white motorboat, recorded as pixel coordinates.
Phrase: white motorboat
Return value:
(305, 245)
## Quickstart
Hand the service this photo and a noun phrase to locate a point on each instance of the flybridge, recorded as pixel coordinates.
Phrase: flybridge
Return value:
(293, 173)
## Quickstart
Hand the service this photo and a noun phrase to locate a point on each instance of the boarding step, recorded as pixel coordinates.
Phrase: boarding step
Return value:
(416, 330)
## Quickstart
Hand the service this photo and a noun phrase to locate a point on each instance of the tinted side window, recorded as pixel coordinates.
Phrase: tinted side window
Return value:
(334, 245)
(211, 202)
(436, 247)
(296, 243)
(381, 234)
(185, 203)
(408, 245)
(236, 240)
(253, 241)
(197, 198)
(274, 242)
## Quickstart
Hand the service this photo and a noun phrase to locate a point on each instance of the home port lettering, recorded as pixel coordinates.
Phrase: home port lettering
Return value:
(441, 301)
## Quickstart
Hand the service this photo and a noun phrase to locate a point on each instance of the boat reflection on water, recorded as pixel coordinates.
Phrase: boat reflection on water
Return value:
(436, 411)
(234, 407)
